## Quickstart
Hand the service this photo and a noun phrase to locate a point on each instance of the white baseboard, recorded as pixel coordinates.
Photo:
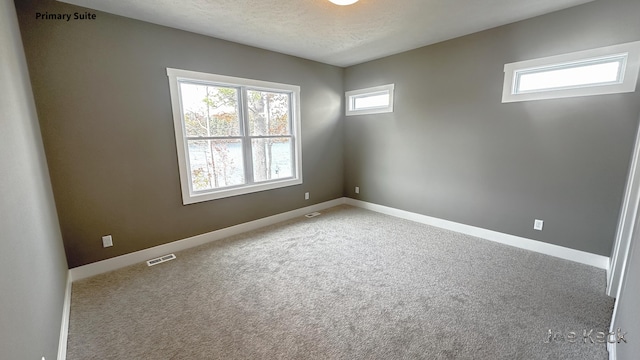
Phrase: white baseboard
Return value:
(64, 327)
(115, 263)
(611, 348)
(583, 257)
(104, 266)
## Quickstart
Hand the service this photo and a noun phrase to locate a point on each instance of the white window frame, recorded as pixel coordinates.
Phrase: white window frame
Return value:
(189, 196)
(629, 53)
(351, 96)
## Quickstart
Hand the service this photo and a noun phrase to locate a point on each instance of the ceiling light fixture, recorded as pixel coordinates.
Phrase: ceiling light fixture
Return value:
(344, 2)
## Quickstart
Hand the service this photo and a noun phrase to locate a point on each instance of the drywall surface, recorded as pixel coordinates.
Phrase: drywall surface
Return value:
(33, 268)
(452, 150)
(102, 94)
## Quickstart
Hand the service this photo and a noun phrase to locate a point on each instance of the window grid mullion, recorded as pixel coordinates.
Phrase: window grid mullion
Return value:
(270, 136)
(292, 131)
(246, 142)
(203, 138)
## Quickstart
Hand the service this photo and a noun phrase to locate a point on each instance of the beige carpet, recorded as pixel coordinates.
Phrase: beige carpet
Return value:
(349, 284)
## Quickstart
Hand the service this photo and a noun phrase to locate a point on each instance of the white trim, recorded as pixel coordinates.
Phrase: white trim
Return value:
(629, 74)
(608, 274)
(611, 348)
(583, 257)
(115, 263)
(229, 80)
(626, 224)
(624, 272)
(64, 327)
(350, 97)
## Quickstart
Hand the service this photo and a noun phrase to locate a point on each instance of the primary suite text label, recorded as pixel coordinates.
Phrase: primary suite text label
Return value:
(66, 17)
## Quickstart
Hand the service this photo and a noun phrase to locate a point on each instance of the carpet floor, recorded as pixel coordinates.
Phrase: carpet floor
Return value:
(349, 284)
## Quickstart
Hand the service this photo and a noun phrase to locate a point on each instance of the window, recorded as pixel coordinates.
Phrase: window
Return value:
(373, 100)
(234, 136)
(607, 70)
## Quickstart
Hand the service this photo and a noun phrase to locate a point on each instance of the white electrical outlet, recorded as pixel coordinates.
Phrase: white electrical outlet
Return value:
(357, 189)
(107, 241)
(306, 196)
(537, 224)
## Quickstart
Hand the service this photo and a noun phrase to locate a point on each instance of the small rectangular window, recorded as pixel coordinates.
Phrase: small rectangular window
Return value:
(592, 72)
(235, 136)
(608, 70)
(372, 100)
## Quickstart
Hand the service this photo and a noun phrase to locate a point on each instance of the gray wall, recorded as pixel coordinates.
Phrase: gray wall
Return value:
(102, 94)
(452, 150)
(33, 270)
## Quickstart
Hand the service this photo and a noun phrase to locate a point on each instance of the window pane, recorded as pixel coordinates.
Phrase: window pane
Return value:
(371, 101)
(216, 163)
(268, 113)
(272, 158)
(209, 110)
(570, 77)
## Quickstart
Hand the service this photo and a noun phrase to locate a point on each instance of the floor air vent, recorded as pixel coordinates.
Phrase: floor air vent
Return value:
(161, 259)
(313, 214)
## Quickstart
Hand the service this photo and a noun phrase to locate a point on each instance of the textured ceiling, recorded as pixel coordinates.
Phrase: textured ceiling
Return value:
(332, 34)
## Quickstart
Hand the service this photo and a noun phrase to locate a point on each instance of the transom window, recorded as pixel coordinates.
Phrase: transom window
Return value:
(372, 100)
(591, 72)
(234, 135)
(607, 70)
